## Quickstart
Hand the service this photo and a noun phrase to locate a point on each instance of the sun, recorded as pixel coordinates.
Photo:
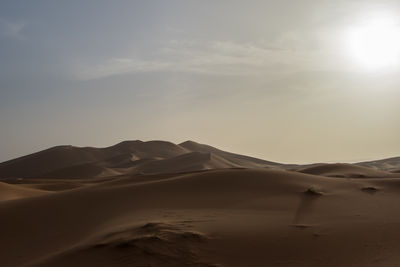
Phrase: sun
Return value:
(375, 44)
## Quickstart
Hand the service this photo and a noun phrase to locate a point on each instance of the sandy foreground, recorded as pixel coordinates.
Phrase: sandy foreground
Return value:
(325, 215)
(237, 217)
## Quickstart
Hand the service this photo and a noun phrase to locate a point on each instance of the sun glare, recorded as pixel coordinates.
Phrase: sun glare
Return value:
(375, 44)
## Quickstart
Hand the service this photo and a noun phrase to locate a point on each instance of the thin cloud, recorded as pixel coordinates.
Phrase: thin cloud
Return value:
(120, 66)
(12, 29)
(215, 58)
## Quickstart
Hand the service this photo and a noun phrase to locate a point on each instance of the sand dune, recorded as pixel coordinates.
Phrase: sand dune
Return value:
(232, 217)
(192, 161)
(57, 158)
(125, 158)
(49, 160)
(390, 164)
(130, 157)
(87, 170)
(240, 160)
(9, 192)
(345, 171)
(160, 204)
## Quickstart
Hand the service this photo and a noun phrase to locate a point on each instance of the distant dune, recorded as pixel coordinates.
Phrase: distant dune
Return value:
(160, 204)
(125, 158)
(345, 171)
(390, 164)
(130, 157)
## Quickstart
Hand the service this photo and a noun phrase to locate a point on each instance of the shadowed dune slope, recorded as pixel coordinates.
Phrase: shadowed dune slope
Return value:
(193, 161)
(49, 160)
(87, 159)
(88, 170)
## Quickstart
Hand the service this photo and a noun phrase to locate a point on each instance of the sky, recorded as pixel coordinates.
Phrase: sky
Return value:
(290, 81)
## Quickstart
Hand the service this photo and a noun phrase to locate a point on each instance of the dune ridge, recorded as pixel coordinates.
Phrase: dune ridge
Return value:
(390, 164)
(345, 171)
(124, 158)
(134, 157)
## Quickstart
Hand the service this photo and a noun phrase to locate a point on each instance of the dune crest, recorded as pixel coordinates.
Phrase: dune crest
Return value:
(344, 171)
(10, 192)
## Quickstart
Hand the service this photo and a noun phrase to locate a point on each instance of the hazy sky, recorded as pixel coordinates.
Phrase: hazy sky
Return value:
(284, 80)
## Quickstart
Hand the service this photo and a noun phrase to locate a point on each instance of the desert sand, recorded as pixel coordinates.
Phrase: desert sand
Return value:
(160, 204)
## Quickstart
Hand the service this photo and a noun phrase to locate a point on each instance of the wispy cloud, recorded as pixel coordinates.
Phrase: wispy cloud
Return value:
(289, 53)
(119, 66)
(12, 29)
